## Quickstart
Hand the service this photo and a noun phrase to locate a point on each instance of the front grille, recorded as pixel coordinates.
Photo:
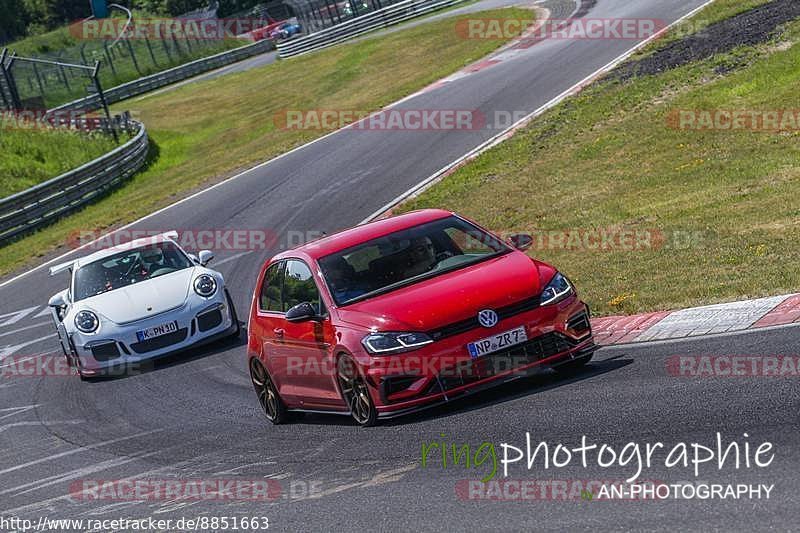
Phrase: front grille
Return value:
(209, 320)
(158, 343)
(534, 350)
(105, 351)
(463, 326)
(579, 323)
(392, 385)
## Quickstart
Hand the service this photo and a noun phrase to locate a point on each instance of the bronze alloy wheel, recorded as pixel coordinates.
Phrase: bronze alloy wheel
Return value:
(268, 397)
(355, 393)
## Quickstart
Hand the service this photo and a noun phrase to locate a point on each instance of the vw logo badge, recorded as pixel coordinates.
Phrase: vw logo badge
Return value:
(487, 318)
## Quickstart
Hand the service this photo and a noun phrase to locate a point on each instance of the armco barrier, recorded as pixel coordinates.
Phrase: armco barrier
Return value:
(44, 203)
(167, 77)
(380, 18)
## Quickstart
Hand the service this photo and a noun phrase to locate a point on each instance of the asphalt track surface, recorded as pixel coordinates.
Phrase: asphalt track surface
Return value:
(196, 417)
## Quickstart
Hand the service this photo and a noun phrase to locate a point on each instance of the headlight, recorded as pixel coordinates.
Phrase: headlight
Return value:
(558, 289)
(87, 322)
(386, 343)
(205, 285)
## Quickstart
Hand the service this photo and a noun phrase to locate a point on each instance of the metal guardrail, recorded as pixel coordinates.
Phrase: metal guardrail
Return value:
(378, 19)
(170, 76)
(44, 203)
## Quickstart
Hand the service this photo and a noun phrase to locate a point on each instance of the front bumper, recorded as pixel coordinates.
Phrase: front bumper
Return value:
(118, 348)
(444, 370)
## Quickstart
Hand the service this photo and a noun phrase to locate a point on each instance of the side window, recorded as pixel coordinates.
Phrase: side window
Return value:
(299, 286)
(270, 299)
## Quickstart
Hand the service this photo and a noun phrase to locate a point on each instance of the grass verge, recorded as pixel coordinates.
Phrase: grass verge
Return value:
(721, 206)
(31, 156)
(203, 132)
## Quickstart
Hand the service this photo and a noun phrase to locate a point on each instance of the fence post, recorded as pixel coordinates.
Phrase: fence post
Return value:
(6, 103)
(12, 84)
(108, 58)
(150, 49)
(133, 56)
(96, 78)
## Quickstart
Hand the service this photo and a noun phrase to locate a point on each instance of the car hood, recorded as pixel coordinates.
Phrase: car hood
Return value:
(451, 297)
(144, 299)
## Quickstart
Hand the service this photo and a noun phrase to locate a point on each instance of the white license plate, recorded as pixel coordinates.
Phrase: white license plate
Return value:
(157, 331)
(497, 342)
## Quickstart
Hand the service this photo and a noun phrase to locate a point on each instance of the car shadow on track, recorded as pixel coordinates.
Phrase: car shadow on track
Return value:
(540, 382)
(523, 387)
(182, 357)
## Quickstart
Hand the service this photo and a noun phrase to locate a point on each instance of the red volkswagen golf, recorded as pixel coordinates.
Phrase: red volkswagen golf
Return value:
(404, 313)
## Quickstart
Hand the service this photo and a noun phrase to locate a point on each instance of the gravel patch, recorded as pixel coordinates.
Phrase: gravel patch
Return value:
(745, 29)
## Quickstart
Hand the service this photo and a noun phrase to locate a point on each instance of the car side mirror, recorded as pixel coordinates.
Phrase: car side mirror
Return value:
(301, 312)
(521, 241)
(58, 301)
(205, 257)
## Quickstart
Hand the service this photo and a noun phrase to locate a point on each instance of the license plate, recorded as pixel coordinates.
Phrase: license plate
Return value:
(157, 331)
(497, 342)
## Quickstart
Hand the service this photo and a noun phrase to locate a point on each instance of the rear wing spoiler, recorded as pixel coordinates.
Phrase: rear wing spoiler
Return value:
(63, 267)
(69, 265)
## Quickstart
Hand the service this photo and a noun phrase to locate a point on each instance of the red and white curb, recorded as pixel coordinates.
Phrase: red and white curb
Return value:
(698, 321)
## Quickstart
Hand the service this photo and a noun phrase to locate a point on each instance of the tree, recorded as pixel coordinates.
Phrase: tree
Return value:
(14, 19)
(53, 13)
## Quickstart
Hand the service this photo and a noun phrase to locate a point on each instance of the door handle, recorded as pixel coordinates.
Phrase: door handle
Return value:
(278, 332)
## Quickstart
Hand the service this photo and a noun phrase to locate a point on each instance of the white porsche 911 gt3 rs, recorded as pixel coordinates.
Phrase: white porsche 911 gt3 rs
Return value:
(139, 301)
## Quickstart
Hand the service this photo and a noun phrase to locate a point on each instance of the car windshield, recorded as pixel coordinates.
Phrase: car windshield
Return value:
(406, 256)
(128, 267)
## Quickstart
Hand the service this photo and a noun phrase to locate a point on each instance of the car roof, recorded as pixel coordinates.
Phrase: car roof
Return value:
(365, 232)
(130, 245)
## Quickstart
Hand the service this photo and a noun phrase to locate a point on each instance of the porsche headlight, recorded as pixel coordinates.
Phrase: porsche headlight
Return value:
(557, 290)
(87, 322)
(205, 285)
(389, 343)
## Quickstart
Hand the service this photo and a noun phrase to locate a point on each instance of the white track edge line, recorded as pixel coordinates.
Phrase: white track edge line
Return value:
(500, 137)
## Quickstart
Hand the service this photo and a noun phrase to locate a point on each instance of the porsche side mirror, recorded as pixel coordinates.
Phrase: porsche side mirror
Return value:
(57, 301)
(301, 312)
(521, 241)
(205, 257)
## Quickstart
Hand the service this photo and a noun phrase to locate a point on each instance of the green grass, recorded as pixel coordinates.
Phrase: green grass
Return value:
(725, 202)
(29, 157)
(187, 126)
(61, 45)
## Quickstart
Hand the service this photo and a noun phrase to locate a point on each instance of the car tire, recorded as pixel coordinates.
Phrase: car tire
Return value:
(355, 392)
(573, 367)
(268, 397)
(234, 316)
